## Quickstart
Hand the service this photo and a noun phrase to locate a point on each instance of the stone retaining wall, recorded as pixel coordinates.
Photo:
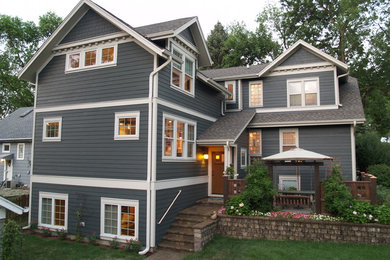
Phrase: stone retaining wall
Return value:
(204, 233)
(295, 229)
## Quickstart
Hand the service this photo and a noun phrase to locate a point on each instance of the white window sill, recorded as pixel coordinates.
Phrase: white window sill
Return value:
(191, 94)
(51, 140)
(110, 237)
(51, 227)
(118, 138)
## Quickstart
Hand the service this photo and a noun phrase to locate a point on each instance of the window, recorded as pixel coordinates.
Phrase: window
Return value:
(119, 218)
(6, 148)
(52, 129)
(289, 182)
(288, 139)
(126, 126)
(231, 87)
(255, 143)
(183, 73)
(20, 152)
(243, 157)
(256, 94)
(303, 92)
(53, 210)
(91, 58)
(178, 138)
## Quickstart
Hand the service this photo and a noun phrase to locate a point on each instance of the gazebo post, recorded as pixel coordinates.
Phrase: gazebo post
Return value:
(317, 187)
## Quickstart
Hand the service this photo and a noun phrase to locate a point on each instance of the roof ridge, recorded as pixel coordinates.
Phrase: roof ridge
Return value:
(189, 17)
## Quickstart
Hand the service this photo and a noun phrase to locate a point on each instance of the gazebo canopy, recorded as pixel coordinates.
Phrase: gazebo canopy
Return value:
(297, 154)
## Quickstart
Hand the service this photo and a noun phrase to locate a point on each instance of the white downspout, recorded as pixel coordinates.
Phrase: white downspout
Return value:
(149, 166)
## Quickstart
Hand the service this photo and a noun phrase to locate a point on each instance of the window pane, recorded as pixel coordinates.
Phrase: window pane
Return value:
(254, 142)
(191, 132)
(20, 151)
(255, 94)
(180, 139)
(6, 147)
(74, 60)
(286, 184)
(52, 129)
(286, 148)
(243, 158)
(295, 100)
(167, 147)
(59, 212)
(311, 86)
(176, 76)
(295, 87)
(168, 128)
(108, 55)
(289, 138)
(230, 88)
(190, 149)
(111, 219)
(188, 83)
(90, 58)
(311, 99)
(46, 211)
(189, 67)
(127, 221)
(177, 53)
(127, 126)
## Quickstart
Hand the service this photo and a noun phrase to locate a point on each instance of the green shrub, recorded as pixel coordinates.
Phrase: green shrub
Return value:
(382, 214)
(237, 206)
(382, 172)
(383, 194)
(259, 190)
(46, 232)
(114, 243)
(93, 239)
(11, 241)
(133, 245)
(359, 212)
(337, 196)
(61, 233)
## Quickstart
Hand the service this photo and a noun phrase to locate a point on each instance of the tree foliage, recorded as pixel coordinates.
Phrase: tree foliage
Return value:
(19, 40)
(370, 150)
(216, 44)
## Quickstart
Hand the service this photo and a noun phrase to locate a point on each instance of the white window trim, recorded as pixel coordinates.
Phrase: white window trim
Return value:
(98, 64)
(53, 196)
(130, 114)
(243, 151)
(261, 144)
(5, 151)
(52, 120)
(119, 203)
(284, 130)
(174, 158)
(18, 157)
(317, 79)
(289, 178)
(234, 91)
(262, 92)
(183, 72)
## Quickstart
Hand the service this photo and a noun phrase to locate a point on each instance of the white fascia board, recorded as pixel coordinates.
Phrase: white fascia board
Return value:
(237, 77)
(212, 83)
(308, 123)
(12, 206)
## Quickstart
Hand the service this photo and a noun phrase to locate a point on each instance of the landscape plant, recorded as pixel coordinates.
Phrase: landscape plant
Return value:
(93, 239)
(61, 233)
(114, 243)
(46, 232)
(383, 195)
(382, 172)
(237, 206)
(133, 245)
(11, 241)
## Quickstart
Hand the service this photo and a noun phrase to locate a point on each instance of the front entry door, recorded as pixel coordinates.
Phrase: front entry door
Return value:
(8, 170)
(217, 172)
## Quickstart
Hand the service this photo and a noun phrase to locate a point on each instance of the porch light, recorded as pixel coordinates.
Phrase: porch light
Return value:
(217, 157)
(205, 156)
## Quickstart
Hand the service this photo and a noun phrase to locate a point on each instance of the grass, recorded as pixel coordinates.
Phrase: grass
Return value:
(230, 248)
(35, 247)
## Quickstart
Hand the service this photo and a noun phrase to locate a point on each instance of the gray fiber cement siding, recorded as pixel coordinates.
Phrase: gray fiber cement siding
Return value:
(177, 169)
(301, 56)
(91, 25)
(275, 89)
(187, 198)
(334, 141)
(88, 201)
(242, 142)
(188, 36)
(88, 148)
(128, 79)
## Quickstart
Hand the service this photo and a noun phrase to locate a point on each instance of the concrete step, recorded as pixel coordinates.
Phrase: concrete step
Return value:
(190, 218)
(189, 247)
(182, 225)
(179, 238)
(181, 231)
(200, 210)
(211, 201)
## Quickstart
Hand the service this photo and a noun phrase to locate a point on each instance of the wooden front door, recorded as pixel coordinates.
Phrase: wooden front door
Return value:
(217, 172)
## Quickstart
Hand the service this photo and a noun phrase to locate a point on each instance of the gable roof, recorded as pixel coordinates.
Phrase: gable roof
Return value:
(351, 110)
(29, 71)
(17, 125)
(234, 72)
(227, 128)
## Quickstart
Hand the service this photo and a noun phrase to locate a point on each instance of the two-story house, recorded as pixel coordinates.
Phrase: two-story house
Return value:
(124, 122)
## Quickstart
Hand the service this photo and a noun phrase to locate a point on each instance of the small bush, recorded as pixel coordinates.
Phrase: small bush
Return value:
(337, 196)
(259, 190)
(11, 241)
(237, 206)
(382, 172)
(93, 239)
(114, 243)
(46, 232)
(382, 214)
(133, 245)
(61, 233)
(383, 195)
(359, 212)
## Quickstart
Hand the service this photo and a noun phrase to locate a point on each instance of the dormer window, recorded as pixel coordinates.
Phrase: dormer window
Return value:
(231, 87)
(303, 92)
(183, 73)
(91, 58)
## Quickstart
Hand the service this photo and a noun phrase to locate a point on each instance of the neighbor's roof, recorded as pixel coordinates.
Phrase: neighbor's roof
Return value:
(234, 72)
(166, 26)
(351, 110)
(227, 128)
(297, 154)
(17, 125)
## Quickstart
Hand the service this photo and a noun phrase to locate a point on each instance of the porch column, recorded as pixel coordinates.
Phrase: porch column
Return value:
(226, 149)
(317, 187)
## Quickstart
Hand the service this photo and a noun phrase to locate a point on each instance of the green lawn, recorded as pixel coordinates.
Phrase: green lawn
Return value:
(35, 248)
(230, 248)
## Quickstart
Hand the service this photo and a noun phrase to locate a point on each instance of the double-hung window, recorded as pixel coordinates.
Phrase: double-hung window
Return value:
(303, 92)
(53, 210)
(119, 218)
(231, 87)
(255, 143)
(126, 126)
(243, 157)
(6, 148)
(91, 58)
(289, 139)
(183, 72)
(256, 94)
(179, 137)
(52, 129)
(20, 151)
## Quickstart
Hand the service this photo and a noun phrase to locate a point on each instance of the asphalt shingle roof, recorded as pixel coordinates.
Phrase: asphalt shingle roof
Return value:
(17, 125)
(234, 71)
(163, 26)
(228, 127)
(351, 109)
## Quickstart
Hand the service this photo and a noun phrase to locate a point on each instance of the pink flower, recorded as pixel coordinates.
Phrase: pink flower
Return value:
(376, 220)
(370, 217)
(354, 212)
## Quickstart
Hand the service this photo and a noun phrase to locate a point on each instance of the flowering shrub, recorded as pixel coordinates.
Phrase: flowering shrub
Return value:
(114, 243)
(46, 232)
(359, 212)
(382, 214)
(133, 245)
(292, 215)
(222, 210)
(238, 206)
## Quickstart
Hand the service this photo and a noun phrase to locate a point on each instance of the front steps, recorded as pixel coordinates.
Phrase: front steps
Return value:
(180, 236)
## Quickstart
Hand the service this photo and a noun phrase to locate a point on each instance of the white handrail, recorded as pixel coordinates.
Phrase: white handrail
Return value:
(170, 206)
